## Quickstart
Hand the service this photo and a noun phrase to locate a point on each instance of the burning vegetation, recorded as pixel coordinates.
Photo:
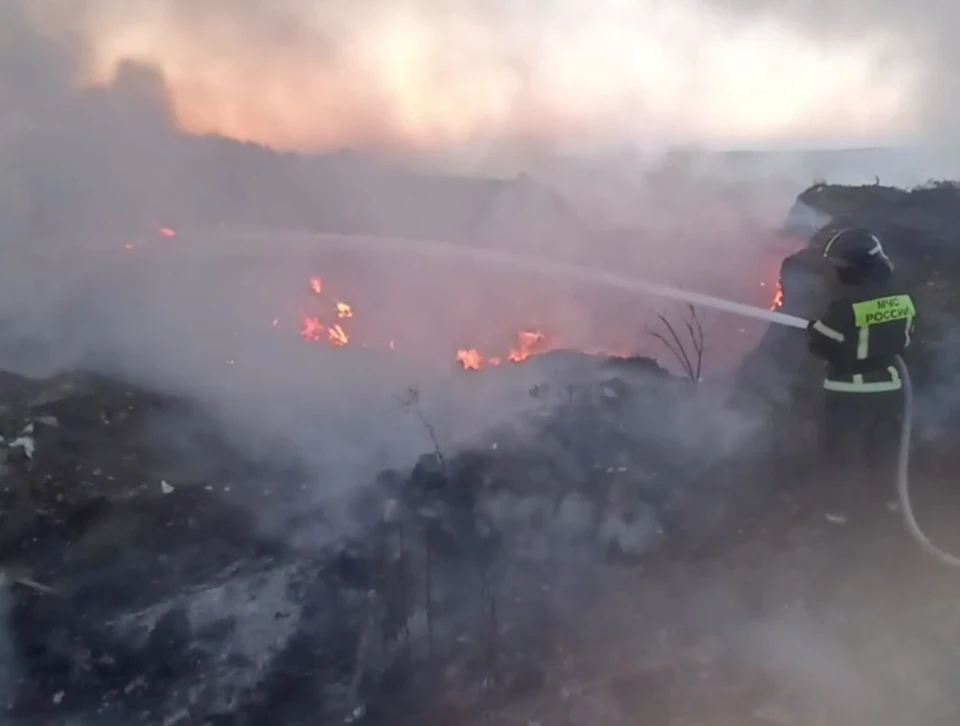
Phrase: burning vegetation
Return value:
(330, 321)
(143, 588)
(529, 343)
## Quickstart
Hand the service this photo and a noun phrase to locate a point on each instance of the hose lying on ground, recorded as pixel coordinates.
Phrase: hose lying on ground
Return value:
(903, 474)
(903, 456)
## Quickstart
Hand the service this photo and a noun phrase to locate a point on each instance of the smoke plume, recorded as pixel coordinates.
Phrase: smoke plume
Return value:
(428, 74)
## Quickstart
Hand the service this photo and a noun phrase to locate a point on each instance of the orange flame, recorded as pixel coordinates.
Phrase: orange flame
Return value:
(778, 297)
(529, 343)
(338, 337)
(312, 329)
(470, 358)
(321, 328)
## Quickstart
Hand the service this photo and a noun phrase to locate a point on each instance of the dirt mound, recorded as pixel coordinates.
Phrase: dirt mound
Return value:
(141, 584)
(921, 233)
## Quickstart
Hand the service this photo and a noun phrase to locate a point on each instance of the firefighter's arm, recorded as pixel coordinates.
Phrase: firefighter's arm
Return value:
(825, 337)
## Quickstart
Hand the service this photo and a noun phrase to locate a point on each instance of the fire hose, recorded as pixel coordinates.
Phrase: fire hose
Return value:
(903, 456)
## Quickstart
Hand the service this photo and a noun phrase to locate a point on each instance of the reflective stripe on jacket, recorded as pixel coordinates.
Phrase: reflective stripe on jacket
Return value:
(858, 338)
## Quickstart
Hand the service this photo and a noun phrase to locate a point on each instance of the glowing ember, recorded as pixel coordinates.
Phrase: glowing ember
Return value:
(337, 336)
(312, 329)
(778, 297)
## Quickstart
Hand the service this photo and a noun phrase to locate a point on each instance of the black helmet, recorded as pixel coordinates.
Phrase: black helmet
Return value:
(856, 251)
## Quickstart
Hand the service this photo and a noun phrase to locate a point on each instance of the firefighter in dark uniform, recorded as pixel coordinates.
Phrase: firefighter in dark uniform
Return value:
(864, 327)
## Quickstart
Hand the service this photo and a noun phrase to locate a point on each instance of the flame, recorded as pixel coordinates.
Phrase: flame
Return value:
(529, 343)
(167, 232)
(470, 358)
(777, 297)
(312, 329)
(337, 336)
(331, 325)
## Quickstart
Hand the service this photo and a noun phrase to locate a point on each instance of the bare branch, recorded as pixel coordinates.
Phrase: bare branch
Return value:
(680, 346)
(695, 330)
(411, 403)
(669, 346)
(692, 362)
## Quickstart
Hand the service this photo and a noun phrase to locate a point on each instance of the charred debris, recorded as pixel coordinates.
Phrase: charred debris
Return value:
(141, 589)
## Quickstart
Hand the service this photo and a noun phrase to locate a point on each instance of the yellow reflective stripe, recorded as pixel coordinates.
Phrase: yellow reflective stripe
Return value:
(883, 310)
(858, 385)
(828, 331)
(863, 343)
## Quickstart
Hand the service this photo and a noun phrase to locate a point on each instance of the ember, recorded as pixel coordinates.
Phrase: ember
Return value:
(318, 327)
(778, 297)
(314, 330)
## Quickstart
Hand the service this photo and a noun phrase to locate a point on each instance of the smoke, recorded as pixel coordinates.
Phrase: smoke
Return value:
(95, 98)
(89, 169)
(431, 74)
(922, 32)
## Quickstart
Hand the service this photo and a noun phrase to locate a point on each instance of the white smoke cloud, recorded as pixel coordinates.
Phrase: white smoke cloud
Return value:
(307, 74)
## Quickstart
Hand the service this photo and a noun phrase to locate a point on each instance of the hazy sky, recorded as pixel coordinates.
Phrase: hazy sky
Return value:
(322, 73)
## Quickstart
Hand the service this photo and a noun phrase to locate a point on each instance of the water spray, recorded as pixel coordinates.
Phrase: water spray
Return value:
(514, 262)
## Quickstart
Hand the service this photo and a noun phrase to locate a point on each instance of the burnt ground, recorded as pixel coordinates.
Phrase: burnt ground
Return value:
(575, 569)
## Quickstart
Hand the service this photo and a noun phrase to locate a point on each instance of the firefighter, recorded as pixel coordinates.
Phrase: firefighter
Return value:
(868, 323)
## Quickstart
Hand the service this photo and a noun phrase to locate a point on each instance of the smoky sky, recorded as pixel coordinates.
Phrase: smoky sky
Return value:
(295, 73)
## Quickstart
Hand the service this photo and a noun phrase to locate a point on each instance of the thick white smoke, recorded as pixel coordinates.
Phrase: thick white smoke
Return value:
(430, 74)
